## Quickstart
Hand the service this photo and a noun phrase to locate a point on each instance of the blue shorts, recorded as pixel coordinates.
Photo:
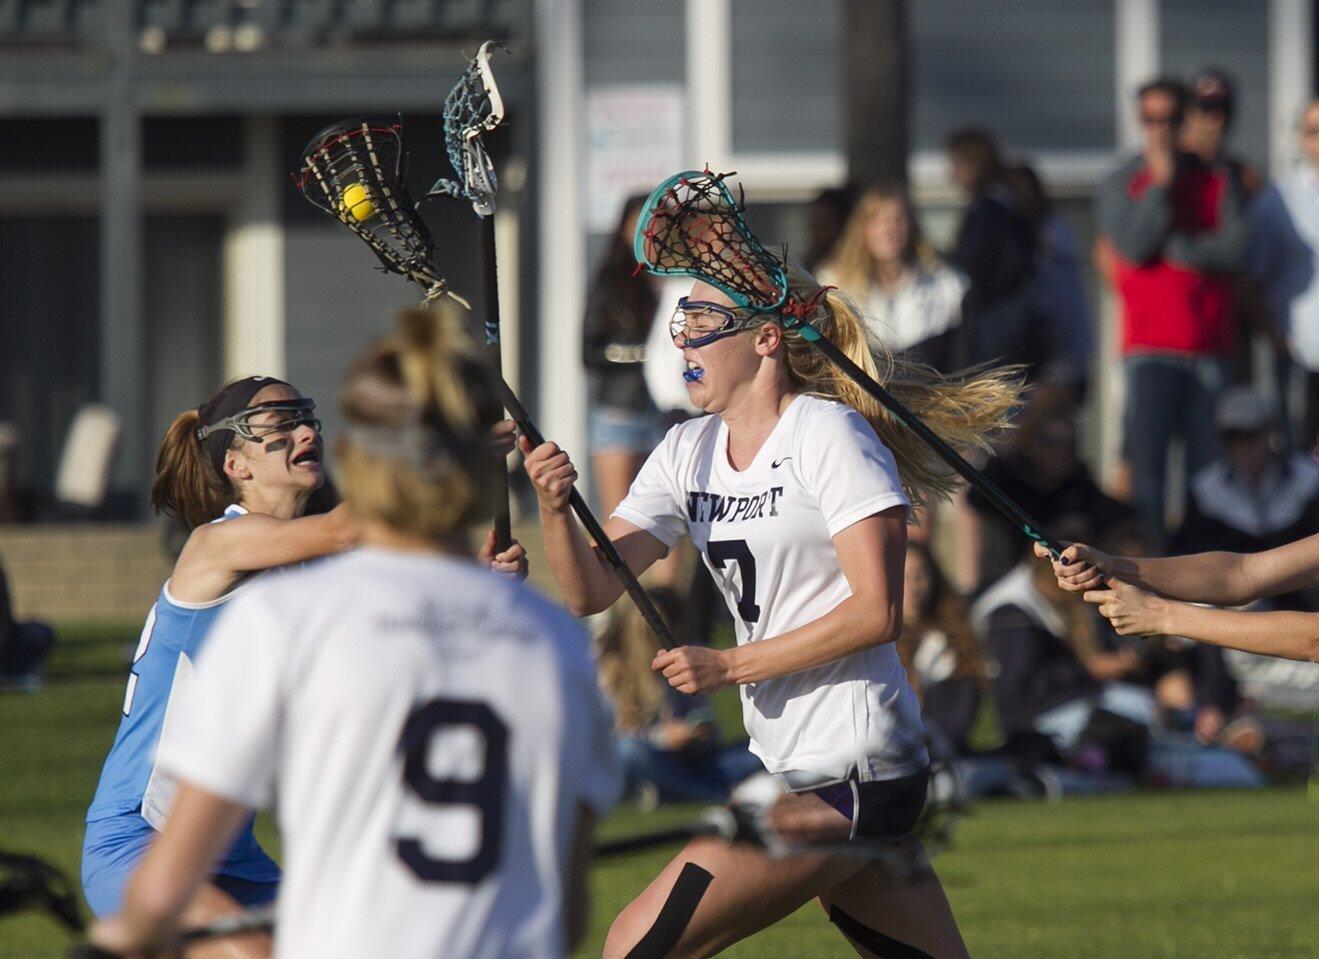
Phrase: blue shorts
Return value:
(610, 428)
(112, 848)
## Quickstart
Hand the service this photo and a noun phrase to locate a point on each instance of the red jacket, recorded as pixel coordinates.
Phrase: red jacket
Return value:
(1172, 256)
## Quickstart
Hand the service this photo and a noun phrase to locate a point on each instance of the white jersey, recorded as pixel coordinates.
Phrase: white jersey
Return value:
(765, 534)
(428, 730)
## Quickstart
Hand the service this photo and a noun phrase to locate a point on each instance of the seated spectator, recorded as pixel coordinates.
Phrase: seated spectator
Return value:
(940, 652)
(1041, 470)
(668, 742)
(1253, 497)
(24, 646)
(1056, 673)
(909, 298)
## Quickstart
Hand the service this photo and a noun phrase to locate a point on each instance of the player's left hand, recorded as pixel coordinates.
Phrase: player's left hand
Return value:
(504, 436)
(511, 562)
(1129, 609)
(694, 669)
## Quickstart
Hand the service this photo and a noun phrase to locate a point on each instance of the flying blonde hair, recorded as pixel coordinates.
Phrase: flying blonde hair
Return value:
(965, 409)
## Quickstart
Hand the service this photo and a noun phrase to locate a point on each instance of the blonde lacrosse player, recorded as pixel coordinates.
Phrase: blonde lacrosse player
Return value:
(795, 489)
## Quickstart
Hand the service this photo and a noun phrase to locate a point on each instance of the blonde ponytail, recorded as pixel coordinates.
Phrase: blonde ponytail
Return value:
(965, 409)
(416, 453)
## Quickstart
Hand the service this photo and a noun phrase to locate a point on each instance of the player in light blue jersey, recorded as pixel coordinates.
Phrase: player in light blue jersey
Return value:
(237, 474)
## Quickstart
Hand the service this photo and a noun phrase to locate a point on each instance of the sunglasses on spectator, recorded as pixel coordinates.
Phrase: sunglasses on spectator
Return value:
(1158, 119)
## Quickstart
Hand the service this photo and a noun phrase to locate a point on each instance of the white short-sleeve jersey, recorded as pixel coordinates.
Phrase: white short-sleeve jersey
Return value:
(428, 731)
(766, 535)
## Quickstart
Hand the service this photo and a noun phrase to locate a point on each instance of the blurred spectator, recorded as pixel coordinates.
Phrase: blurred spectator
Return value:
(995, 249)
(939, 651)
(24, 646)
(1254, 497)
(1040, 469)
(826, 216)
(668, 742)
(910, 299)
(1175, 233)
(1057, 288)
(1209, 116)
(1055, 673)
(1283, 257)
(623, 424)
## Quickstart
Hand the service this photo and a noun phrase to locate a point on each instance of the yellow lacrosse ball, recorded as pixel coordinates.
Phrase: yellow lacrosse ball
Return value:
(357, 201)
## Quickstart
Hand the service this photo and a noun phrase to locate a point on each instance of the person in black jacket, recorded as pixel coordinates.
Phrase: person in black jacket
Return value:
(995, 250)
(1040, 469)
(1254, 497)
(623, 423)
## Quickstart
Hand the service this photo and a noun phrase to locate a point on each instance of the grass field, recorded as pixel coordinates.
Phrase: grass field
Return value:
(1157, 874)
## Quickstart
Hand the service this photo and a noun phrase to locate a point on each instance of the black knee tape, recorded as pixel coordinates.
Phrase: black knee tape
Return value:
(881, 945)
(674, 915)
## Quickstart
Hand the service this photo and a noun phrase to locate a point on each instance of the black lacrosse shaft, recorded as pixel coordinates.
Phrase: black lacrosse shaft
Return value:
(624, 572)
(978, 480)
(490, 294)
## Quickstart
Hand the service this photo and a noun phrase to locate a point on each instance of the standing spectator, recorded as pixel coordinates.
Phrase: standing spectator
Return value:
(668, 743)
(1209, 118)
(1283, 257)
(909, 298)
(1254, 498)
(825, 218)
(1057, 289)
(623, 424)
(1176, 234)
(995, 249)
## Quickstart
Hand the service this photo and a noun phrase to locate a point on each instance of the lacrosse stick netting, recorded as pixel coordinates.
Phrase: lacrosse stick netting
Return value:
(473, 107)
(691, 225)
(353, 171)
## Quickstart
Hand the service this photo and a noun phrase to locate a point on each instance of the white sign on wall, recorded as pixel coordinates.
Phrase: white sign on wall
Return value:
(633, 141)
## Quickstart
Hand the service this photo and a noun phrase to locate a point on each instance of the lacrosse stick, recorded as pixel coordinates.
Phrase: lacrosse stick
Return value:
(472, 108)
(27, 882)
(254, 920)
(352, 152)
(691, 225)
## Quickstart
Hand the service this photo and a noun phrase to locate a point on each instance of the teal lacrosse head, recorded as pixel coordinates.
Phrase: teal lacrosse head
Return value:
(691, 225)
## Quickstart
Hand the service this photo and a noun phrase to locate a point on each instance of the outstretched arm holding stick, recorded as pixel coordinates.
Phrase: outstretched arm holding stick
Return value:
(1156, 595)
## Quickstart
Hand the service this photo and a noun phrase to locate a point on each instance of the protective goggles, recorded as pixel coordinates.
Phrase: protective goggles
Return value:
(698, 322)
(278, 417)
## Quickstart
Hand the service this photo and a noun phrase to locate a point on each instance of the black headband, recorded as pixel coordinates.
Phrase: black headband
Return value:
(234, 397)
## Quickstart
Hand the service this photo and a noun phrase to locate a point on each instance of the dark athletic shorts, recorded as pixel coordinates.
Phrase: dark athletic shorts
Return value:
(884, 810)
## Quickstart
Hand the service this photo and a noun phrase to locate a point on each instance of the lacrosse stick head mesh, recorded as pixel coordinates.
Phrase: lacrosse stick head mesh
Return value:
(353, 171)
(692, 225)
(472, 108)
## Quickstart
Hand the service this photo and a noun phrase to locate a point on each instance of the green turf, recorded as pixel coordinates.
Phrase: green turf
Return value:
(1158, 874)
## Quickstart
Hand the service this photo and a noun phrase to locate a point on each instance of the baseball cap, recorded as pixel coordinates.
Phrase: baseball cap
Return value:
(1213, 90)
(1242, 410)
